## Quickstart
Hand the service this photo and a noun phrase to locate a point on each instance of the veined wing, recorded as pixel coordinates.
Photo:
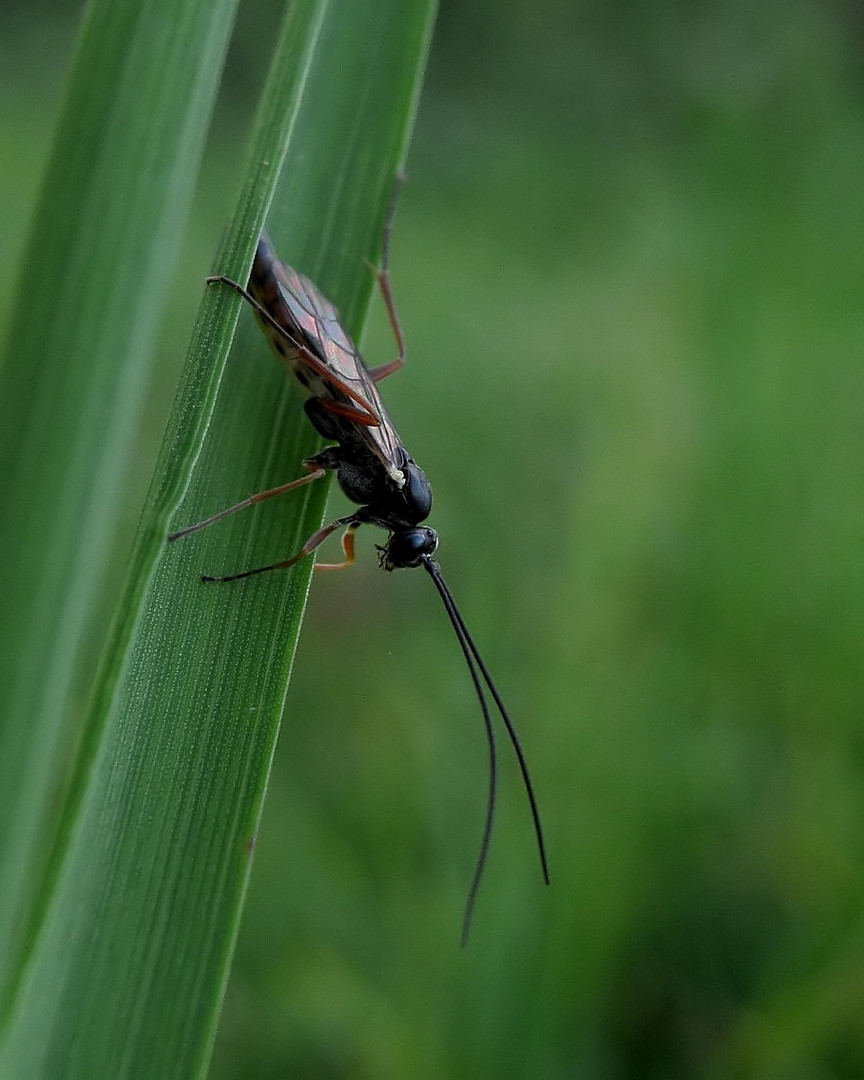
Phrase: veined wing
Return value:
(321, 355)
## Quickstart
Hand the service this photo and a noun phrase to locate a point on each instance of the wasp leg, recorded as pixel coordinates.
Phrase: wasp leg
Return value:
(364, 414)
(308, 357)
(314, 541)
(315, 473)
(383, 278)
(259, 309)
(347, 412)
(347, 547)
(383, 370)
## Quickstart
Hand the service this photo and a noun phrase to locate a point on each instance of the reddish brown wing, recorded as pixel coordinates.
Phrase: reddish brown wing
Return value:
(321, 355)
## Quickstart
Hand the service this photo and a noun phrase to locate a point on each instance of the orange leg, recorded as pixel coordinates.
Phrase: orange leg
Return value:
(347, 547)
(315, 473)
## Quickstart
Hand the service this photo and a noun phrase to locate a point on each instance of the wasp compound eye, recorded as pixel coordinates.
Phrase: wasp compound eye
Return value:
(409, 547)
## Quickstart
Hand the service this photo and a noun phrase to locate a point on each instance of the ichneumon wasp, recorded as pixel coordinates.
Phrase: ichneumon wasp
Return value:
(372, 467)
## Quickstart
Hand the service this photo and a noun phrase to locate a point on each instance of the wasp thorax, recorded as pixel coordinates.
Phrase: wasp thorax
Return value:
(408, 547)
(416, 493)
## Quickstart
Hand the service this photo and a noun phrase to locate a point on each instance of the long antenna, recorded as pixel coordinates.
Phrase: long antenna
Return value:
(464, 644)
(475, 662)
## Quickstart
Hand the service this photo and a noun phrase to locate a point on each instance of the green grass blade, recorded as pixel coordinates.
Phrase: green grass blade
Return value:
(93, 287)
(130, 964)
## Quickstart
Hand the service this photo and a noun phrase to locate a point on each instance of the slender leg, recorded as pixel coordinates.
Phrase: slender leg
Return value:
(315, 473)
(348, 412)
(347, 547)
(383, 278)
(304, 354)
(259, 309)
(314, 541)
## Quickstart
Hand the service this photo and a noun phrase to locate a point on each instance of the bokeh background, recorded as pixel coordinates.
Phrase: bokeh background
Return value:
(630, 266)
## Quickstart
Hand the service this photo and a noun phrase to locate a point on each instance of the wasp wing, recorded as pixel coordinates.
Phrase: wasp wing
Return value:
(321, 355)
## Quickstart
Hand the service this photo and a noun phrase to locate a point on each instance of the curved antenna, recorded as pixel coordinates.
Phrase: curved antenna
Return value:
(465, 644)
(475, 662)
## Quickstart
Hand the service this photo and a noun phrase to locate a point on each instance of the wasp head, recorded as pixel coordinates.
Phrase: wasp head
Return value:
(408, 547)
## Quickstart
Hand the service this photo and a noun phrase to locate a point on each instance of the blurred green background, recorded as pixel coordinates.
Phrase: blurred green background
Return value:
(629, 263)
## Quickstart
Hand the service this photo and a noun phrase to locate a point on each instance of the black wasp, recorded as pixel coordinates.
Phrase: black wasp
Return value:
(373, 469)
